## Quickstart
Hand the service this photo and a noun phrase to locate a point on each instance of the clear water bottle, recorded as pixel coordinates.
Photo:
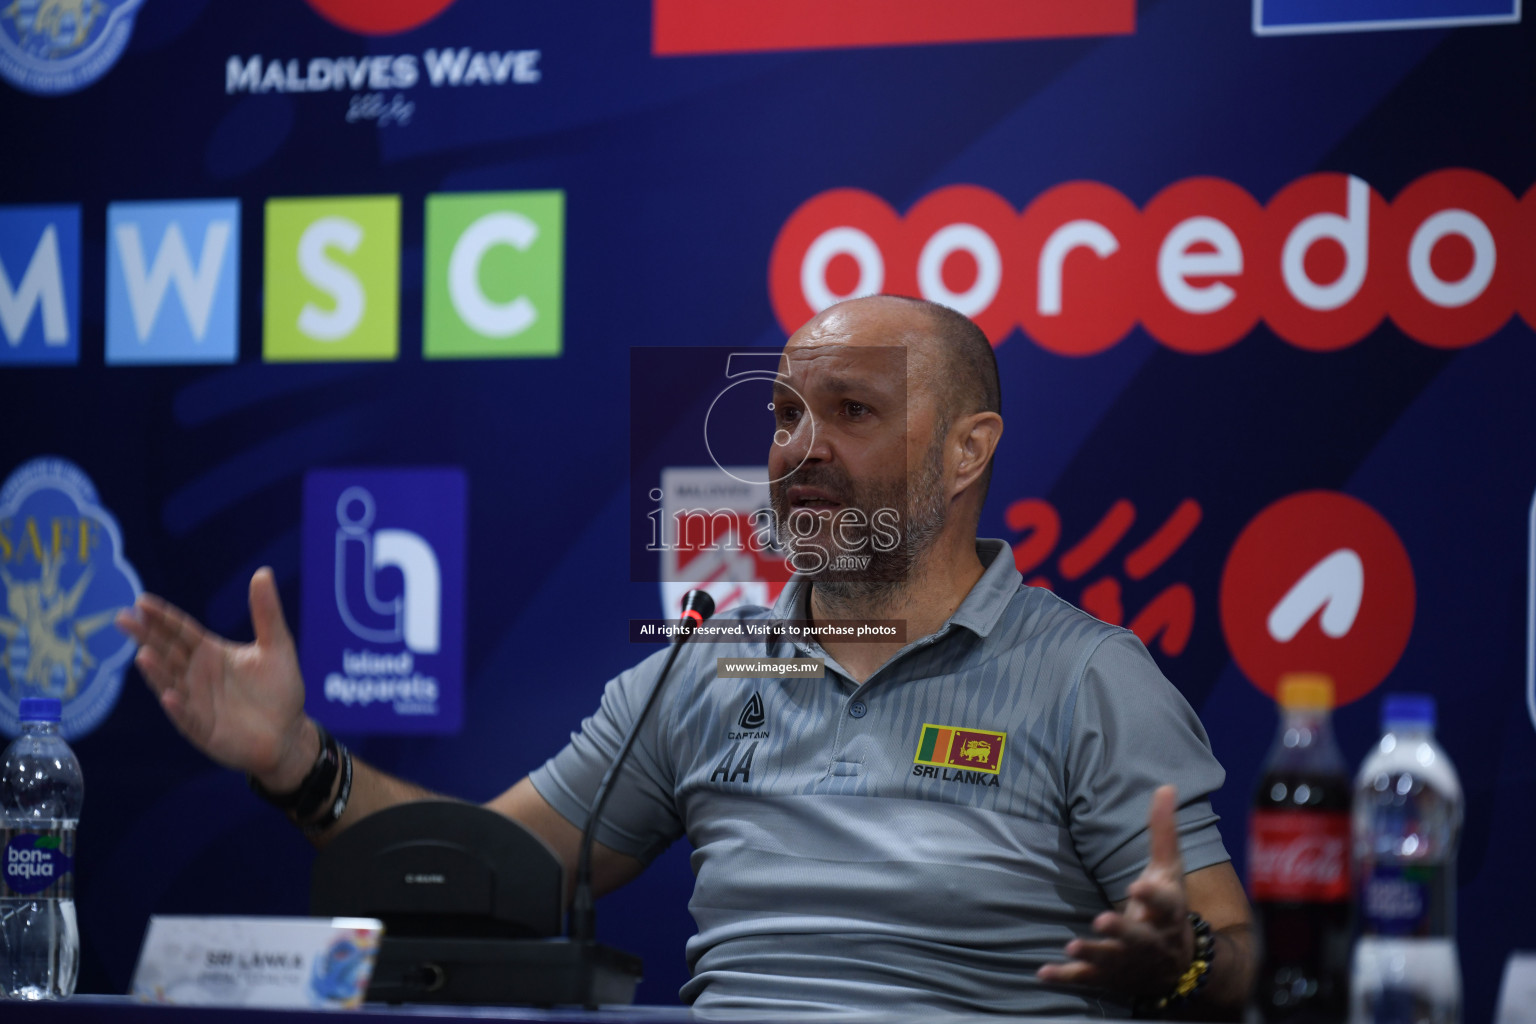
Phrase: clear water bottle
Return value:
(1407, 820)
(40, 796)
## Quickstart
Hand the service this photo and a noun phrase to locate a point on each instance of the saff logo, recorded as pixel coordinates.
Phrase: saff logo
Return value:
(39, 284)
(383, 599)
(332, 279)
(190, 248)
(495, 275)
(63, 576)
(51, 47)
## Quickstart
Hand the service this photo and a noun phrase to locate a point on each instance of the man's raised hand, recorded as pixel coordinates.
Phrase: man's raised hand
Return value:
(241, 704)
(1148, 943)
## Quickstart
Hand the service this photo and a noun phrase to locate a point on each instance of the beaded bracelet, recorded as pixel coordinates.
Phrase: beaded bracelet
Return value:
(1195, 975)
(303, 802)
(339, 805)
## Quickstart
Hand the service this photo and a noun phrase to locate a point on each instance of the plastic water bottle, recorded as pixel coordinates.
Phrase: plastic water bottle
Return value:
(1407, 820)
(40, 796)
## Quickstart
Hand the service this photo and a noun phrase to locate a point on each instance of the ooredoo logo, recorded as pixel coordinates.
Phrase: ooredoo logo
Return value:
(379, 17)
(1318, 582)
(1449, 260)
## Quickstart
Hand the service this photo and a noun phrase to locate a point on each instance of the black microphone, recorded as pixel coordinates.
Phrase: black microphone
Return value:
(697, 606)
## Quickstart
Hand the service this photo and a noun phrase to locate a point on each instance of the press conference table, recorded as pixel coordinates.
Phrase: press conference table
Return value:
(124, 1010)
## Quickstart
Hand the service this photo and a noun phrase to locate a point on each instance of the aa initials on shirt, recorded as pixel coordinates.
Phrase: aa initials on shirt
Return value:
(731, 768)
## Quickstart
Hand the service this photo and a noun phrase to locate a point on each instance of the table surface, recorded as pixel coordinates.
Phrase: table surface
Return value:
(127, 1010)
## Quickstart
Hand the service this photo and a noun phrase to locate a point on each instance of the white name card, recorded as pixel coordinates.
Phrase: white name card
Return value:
(1517, 1003)
(308, 962)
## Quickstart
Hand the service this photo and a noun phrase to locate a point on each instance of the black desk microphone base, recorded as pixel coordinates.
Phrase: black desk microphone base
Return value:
(472, 905)
(496, 971)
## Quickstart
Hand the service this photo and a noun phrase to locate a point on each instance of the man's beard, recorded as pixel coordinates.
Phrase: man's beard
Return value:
(869, 572)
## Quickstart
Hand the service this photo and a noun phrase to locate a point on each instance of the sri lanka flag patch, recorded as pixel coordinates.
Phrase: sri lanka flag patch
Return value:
(946, 746)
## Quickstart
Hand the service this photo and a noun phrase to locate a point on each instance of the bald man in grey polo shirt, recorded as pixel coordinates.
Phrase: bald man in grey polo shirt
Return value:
(970, 819)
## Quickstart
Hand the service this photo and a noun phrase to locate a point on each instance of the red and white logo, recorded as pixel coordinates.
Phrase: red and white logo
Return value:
(1318, 582)
(1298, 856)
(1449, 260)
(737, 26)
(1165, 620)
(710, 530)
(379, 17)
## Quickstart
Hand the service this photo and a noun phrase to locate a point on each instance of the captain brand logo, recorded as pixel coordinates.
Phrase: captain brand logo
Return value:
(39, 285)
(946, 746)
(1322, 263)
(383, 599)
(190, 248)
(332, 279)
(1292, 17)
(734, 26)
(54, 47)
(495, 268)
(752, 715)
(750, 725)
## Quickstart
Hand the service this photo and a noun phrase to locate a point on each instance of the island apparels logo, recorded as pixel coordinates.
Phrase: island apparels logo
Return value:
(53, 47)
(63, 577)
(383, 640)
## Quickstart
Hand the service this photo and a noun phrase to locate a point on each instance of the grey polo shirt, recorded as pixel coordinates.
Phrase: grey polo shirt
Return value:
(844, 860)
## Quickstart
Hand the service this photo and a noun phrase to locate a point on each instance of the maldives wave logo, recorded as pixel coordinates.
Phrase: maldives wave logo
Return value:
(53, 47)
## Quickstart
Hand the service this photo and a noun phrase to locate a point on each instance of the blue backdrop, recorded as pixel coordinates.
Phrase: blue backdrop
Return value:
(1194, 425)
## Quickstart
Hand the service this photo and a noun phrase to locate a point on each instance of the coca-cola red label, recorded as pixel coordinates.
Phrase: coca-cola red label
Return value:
(1299, 856)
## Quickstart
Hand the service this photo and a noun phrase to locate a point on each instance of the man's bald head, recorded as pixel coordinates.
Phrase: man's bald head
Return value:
(949, 359)
(947, 352)
(968, 367)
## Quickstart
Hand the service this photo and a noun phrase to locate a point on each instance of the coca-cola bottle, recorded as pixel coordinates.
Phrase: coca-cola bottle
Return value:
(1298, 861)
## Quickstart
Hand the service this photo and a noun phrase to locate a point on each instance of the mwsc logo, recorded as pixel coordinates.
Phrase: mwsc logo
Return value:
(52, 47)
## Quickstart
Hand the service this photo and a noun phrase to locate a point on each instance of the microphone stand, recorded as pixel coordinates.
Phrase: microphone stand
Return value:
(697, 606)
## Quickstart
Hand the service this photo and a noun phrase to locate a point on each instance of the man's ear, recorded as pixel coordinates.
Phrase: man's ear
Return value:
(974, 438)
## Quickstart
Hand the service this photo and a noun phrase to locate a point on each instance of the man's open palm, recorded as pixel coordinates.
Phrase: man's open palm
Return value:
(1148, 942)
(241, 704)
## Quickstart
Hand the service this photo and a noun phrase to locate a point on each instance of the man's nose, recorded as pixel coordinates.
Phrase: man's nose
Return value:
(800, 443)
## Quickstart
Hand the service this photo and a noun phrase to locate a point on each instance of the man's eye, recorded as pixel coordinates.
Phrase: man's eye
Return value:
(855, 409)
(786, 413)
